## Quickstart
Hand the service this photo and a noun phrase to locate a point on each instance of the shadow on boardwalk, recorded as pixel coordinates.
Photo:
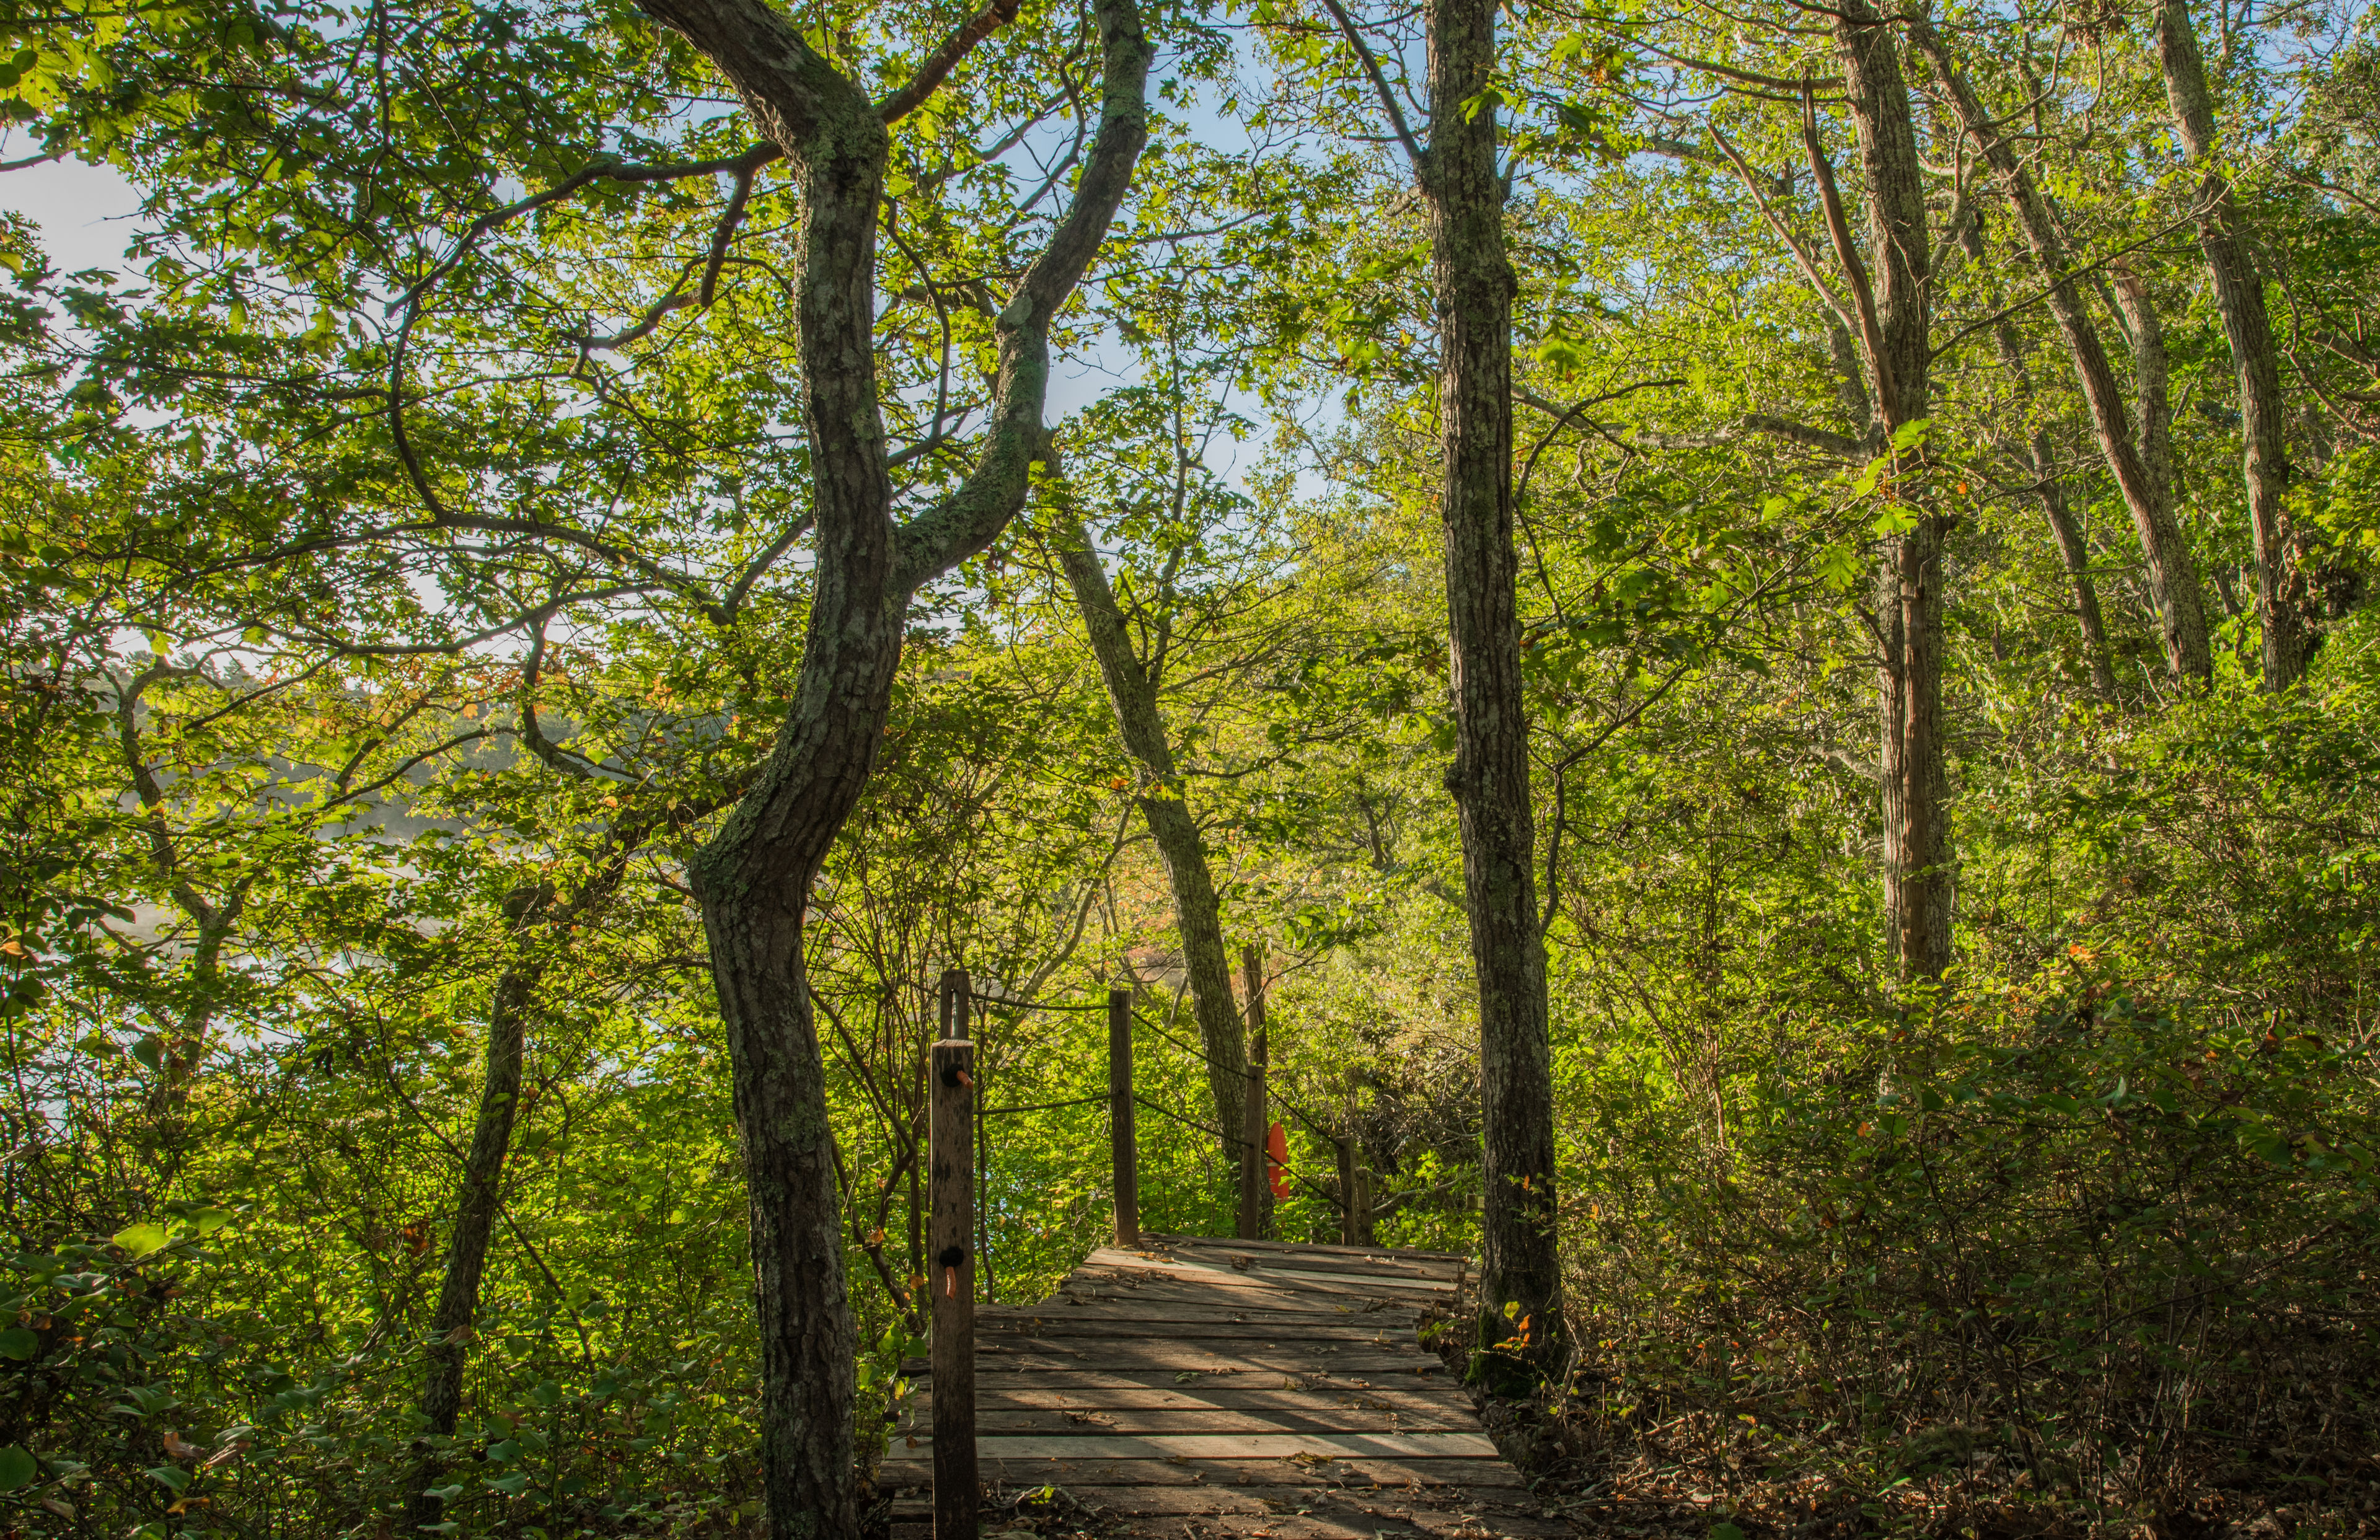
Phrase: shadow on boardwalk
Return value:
(1206, 1388)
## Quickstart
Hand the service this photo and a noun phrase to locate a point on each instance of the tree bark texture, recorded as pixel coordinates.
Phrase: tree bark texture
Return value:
(2255, 358)
(755, 876)
(2152, 380)
(1131, 695)
(1520, 1266)
(2173, 577)
(1890, 292)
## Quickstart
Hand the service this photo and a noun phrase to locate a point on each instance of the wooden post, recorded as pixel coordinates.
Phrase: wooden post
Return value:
(1124, 1142)
(1252, 1186)
(951, 1082)
(1347, 1159)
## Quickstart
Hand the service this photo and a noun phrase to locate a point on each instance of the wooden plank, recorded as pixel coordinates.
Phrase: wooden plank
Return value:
(1229, 1258)
(1237, 1446)
(1370, 1511)
(1225, 1393)
(1240, 1258)
(1275, 1253)
(1094, 1379)
(1136, 1420)
(1263, 1325)
(1291, 1298)
(1217, 1269)
(1348, 1502)
(1229, 1358)
(1197, 1271)
(1191, 1285)
(1165, 1313)
(1088, 1476)
(1421, 1524)
(1322, 1248)
(1287, 1299)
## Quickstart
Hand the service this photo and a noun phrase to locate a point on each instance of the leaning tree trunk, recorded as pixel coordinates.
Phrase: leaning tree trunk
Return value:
(754, 877)
(2152, 380)
(1520, 1267)
(2035, 454)
(2075, 553)
(1133, 696)
(2038, 458)
(2239, 299)
(481, 1196)
(530, 922)
(2173, 577)
(1892, 308)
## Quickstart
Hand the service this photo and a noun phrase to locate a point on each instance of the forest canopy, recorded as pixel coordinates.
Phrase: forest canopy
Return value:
(1752, 623)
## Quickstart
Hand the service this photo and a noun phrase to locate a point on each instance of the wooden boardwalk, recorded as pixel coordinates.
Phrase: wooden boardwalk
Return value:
(1206, 1388)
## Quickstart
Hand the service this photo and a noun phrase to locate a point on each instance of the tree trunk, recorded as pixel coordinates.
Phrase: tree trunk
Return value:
(481, 1196)
(1520, 1267)
(1132, 694)
(2076, 556)
(2173, 577)
(754, 877)
(2152, 376)
(2239, 299)
(1896, 322)
(2035, 454)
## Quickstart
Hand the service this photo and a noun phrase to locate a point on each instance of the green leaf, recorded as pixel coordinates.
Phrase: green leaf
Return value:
(172, 1477)
(18, 1343)
(141, 1240)
(16, 1467)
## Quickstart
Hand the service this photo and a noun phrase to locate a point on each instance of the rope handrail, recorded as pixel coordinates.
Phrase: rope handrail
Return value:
(1031, 1004)
(1041, 1105)
(1335, 1200)
(1314, 1124)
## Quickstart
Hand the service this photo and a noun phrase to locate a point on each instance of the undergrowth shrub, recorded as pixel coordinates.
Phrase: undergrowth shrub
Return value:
(2039, 1240)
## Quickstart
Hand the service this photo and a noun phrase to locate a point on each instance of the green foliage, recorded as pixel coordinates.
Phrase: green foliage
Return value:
(399, 582)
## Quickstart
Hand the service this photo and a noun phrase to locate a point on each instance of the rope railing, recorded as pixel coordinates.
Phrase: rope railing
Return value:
(1308, 1118)
(1027, 1004)
(1312, 1124)
(1324, 1194)
(1122, 1098)
(1038, 1106)
(960, 1166)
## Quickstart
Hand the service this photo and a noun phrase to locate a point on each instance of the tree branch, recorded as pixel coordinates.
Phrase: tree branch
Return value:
(967, 521)
(1802, 257)
(1372, 72)
(939, 63)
